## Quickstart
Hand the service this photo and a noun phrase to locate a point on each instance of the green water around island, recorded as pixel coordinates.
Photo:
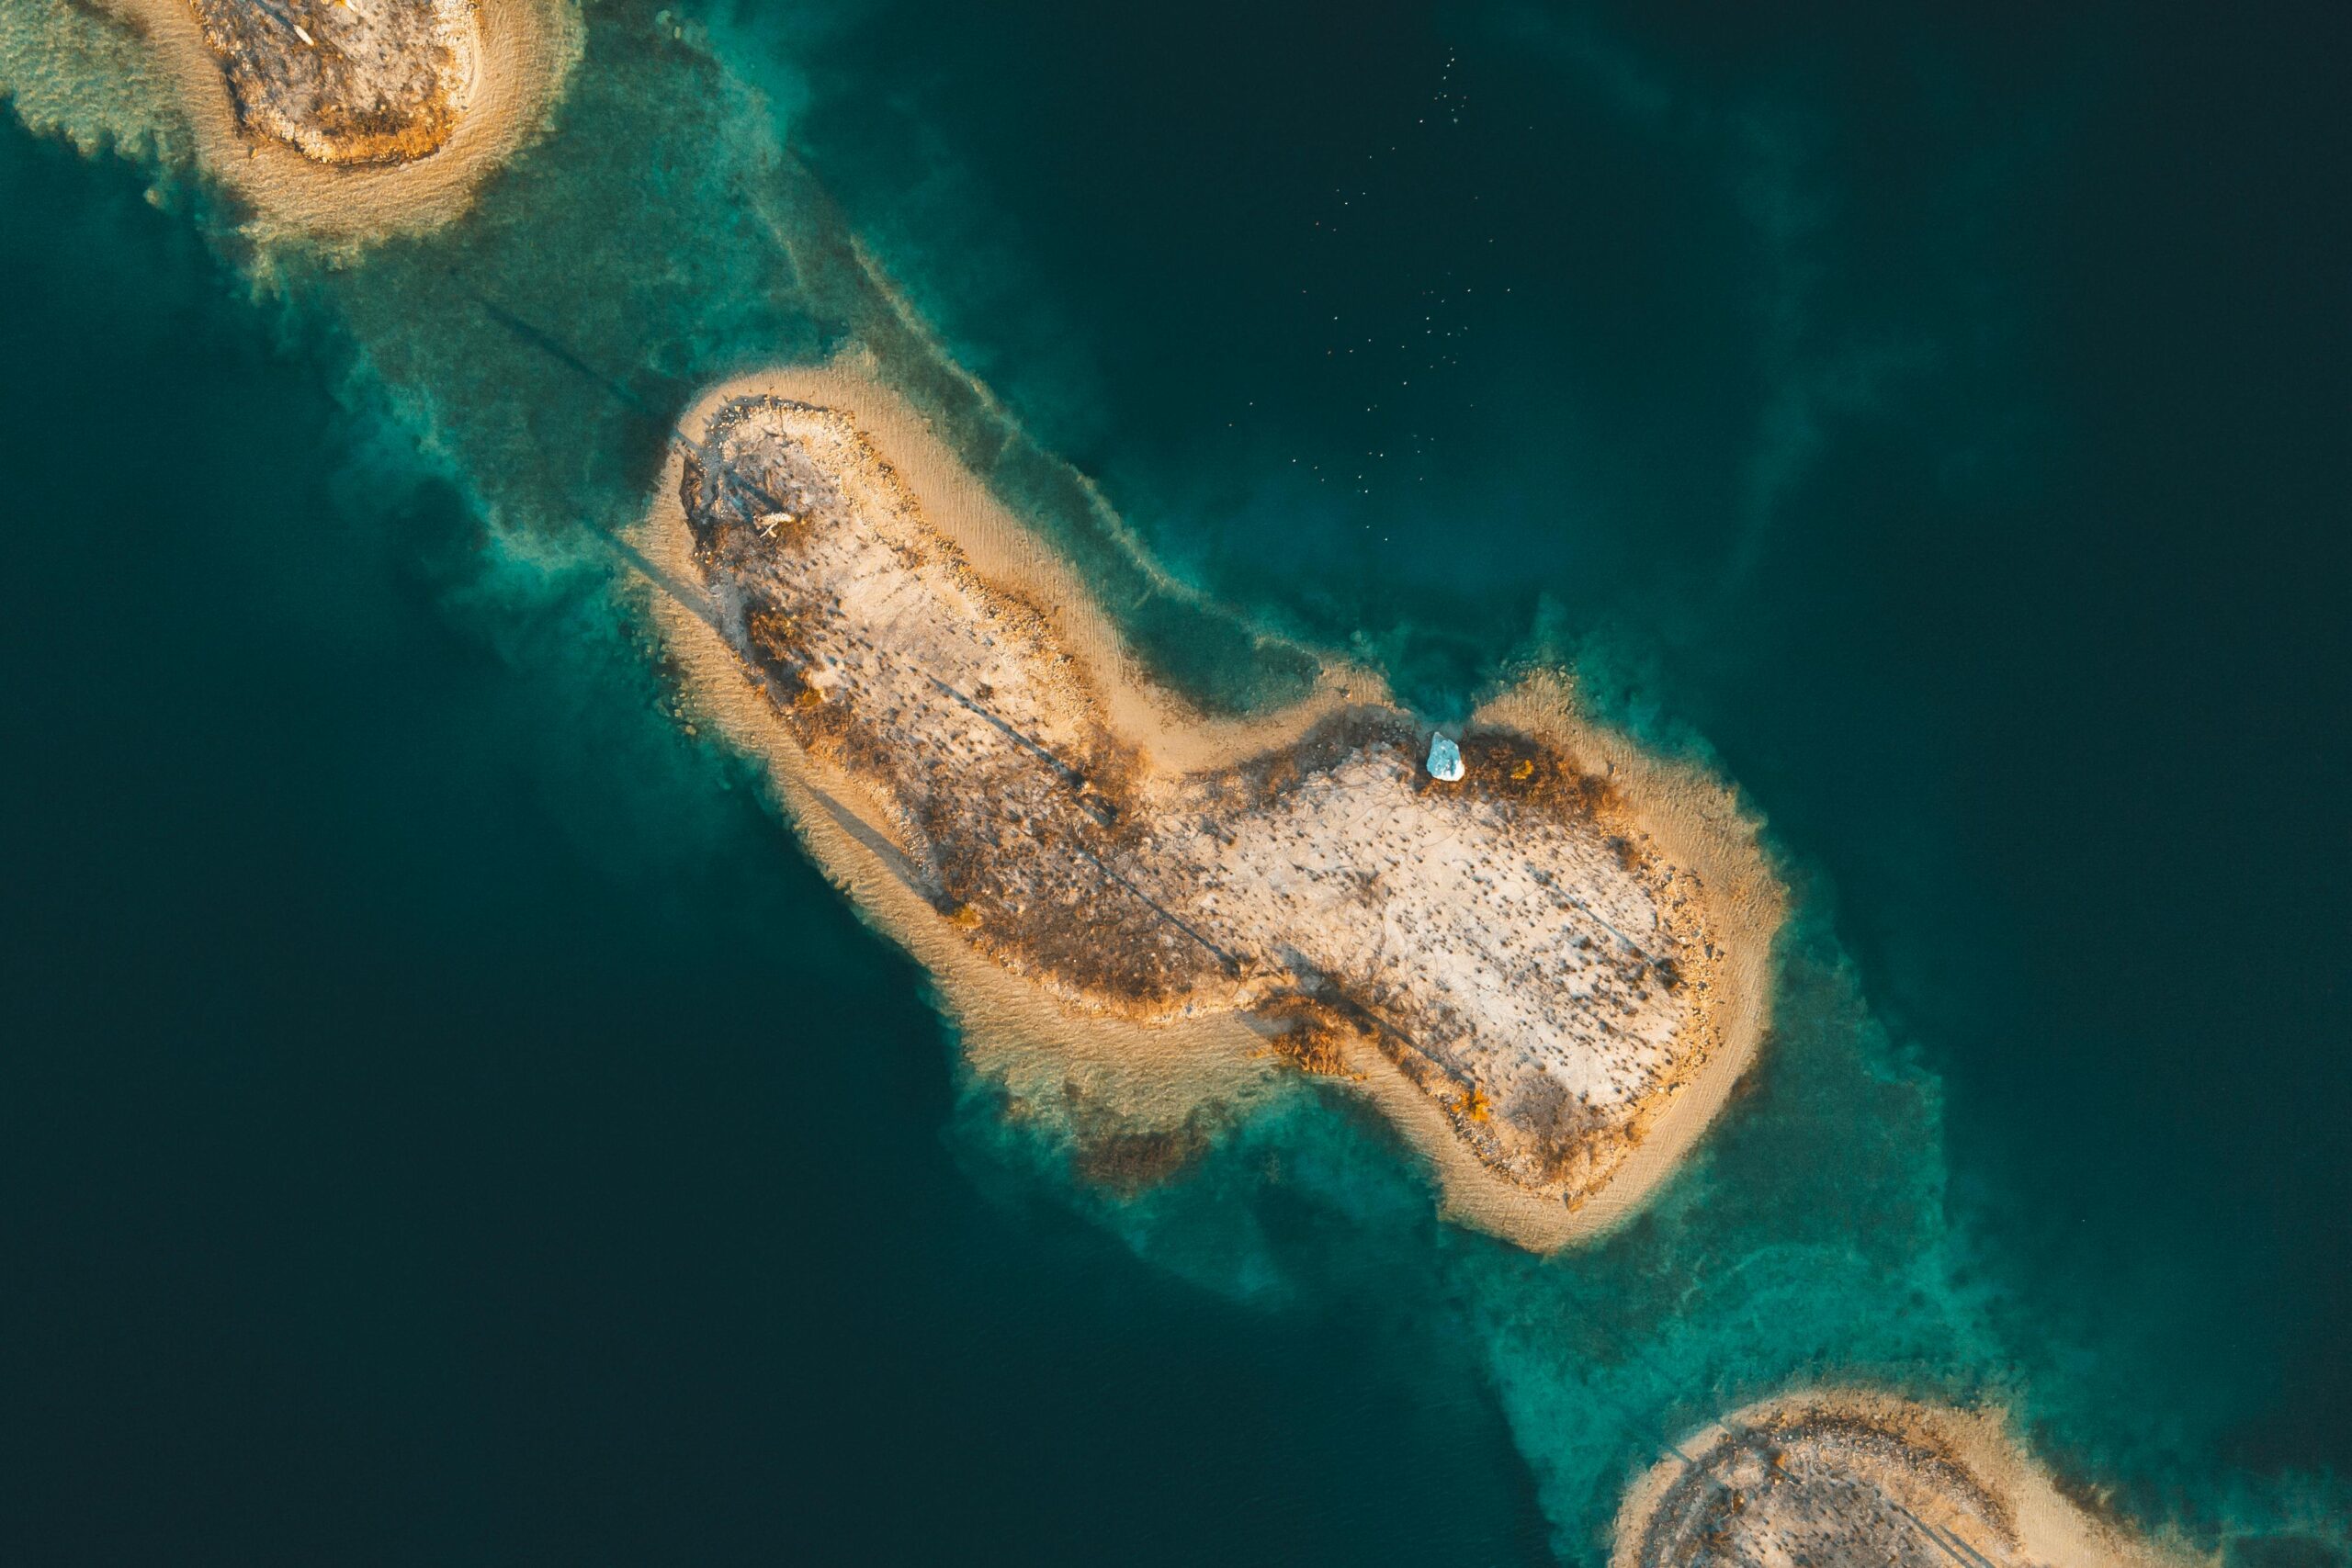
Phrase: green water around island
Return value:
(461, 1127)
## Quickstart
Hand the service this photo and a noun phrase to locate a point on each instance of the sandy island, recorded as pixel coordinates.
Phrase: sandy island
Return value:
(1858, 1479)
(358, 119)
(1548, 973)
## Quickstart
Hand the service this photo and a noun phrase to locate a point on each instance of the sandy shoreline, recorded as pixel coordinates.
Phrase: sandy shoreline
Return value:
(525, 50)
(1858, 1478)
(1180, 1072)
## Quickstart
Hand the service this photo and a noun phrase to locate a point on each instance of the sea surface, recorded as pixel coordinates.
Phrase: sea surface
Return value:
(445, 1119)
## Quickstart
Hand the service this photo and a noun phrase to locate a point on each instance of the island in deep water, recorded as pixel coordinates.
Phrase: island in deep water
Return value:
(1851, 1478)
(1547, 970)
(355, 118)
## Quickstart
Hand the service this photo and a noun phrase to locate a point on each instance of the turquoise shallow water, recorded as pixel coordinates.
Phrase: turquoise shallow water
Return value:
(431, 1148)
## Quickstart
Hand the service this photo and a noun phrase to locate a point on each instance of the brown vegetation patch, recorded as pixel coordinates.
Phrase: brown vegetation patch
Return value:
(773, 636)
(1313, 1039)
(1323, 747)
(1563, 1135)
(1518, 767)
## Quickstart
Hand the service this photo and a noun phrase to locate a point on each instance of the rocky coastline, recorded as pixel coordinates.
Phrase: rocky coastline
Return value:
(1512, 948)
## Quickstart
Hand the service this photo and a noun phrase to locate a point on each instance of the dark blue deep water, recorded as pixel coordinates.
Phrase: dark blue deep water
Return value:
(395, 1173)
(443, 1118)
(1944, 418)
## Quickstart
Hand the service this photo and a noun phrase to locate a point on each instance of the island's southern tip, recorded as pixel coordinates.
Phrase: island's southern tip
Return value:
(348, 121)
(1539, 951)
(1859, 1478)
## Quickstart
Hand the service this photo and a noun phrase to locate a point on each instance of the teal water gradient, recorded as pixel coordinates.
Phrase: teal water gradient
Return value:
(1939, 417)
(425, 1131)
(464, 1174)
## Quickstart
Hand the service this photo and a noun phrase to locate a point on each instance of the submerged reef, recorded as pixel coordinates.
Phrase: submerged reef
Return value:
(1515, 948)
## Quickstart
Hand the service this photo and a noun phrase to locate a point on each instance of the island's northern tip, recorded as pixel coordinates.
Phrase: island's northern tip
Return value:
(1548, 973)
(350, 120)
(1862, 1478)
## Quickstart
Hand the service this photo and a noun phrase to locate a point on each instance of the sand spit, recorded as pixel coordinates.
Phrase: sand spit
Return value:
(353, 119)
(1858, 1479)
(1547, 975)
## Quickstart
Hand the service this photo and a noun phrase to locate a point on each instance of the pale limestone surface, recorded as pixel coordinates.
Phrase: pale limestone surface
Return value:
(1538, 976)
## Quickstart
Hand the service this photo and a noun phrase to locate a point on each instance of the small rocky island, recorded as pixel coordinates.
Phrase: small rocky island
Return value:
(347, 82)
(1509, 942)
(343, 122)
(1852, 1479)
